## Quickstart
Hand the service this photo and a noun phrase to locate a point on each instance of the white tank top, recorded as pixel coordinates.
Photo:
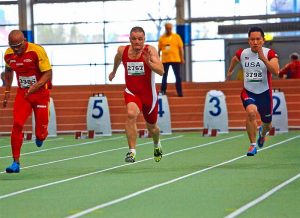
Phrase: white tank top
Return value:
(257, 79)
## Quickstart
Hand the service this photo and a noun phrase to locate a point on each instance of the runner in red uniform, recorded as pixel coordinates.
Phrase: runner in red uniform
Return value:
(141, 62)
(33, 71)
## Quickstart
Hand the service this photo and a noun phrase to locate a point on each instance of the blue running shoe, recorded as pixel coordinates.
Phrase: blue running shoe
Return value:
(260, 140)
(252, 150)
(14, 168)
(38, 142)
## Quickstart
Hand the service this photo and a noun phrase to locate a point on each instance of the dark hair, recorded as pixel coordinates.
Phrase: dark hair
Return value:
(294, 56)
(256, 29)
(137, 29)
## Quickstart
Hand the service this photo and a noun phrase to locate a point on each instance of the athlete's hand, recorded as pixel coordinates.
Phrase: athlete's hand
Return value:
(147, 56)
(111, 76)
(31, 90)
(260, 53)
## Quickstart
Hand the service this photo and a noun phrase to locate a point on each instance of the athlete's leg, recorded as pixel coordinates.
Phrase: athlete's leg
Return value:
(164, 81)
(130, 125)
(41, 114)
(265, 107)
(251, 124)
(22, 110)
(154, 131)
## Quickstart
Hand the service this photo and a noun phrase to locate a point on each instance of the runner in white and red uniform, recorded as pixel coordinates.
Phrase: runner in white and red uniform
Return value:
(258, 64)
(141, 62)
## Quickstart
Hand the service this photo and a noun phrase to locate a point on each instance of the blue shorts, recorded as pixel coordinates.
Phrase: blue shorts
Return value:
(263, 102)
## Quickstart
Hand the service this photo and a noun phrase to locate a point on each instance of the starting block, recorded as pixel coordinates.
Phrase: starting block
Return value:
(143, 133)
(85, 134)
(27, 136)
(272, 131)
(213, 132)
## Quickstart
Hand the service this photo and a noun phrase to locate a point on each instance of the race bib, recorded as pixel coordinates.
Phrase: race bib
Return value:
(254, 75)
(27, 81)
(135, 68)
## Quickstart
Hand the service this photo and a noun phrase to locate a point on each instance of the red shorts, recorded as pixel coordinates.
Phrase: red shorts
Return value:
(148, 106)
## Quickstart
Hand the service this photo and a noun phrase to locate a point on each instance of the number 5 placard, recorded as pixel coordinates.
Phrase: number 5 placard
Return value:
(98, 117)
(215, 111)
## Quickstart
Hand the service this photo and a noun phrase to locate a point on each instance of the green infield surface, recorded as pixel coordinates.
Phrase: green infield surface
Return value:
(197, 177)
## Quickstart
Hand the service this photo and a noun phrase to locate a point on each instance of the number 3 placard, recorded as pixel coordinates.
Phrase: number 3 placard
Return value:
(215, 111)
(98, 116)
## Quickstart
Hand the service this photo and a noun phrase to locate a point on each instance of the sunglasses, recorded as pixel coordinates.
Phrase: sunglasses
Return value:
(16, 45)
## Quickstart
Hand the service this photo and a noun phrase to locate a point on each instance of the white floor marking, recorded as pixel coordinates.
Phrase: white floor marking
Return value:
(97, 172)
(134, 194)
(88, 155)
(262, 197)
(32, 142)
(66, 146)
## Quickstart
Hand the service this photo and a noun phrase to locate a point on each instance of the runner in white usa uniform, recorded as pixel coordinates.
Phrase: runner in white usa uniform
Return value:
(259, 63)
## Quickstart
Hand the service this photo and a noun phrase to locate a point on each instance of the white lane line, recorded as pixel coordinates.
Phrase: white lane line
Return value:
(66, 146)
(24, 143)
(97, 172)
(89, 155)
(262, 197)
(134, 194)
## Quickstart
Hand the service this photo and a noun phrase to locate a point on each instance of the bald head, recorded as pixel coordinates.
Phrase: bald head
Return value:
(16, 41)
(168, 28)
(15, 37)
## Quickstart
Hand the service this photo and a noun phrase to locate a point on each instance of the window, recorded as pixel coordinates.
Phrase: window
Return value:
(208, 61)
(89, 33)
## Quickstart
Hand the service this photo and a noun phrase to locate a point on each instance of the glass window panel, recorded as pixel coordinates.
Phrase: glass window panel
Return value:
(139, 10)
(68, 12)
(210, 71)
(212, 8)
(89, 54)
(283, 6)
(119, 32)
(4, 31)
(78, 75)
(69, 33)
(208, 50)
(9, 20)
(9, 14)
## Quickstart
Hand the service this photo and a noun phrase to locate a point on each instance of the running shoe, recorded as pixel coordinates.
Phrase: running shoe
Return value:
(158, 154)
(130, 157)
(38, 142)
(14, 168)
(252, 150)
(261, 139)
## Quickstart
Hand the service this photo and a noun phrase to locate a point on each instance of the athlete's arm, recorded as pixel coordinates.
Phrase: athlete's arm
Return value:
(272, 65)
(117, 62)
(234, 61)
(284, 70)
(181, 52)
(152, 59)
(9, 75)
(46, 77)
